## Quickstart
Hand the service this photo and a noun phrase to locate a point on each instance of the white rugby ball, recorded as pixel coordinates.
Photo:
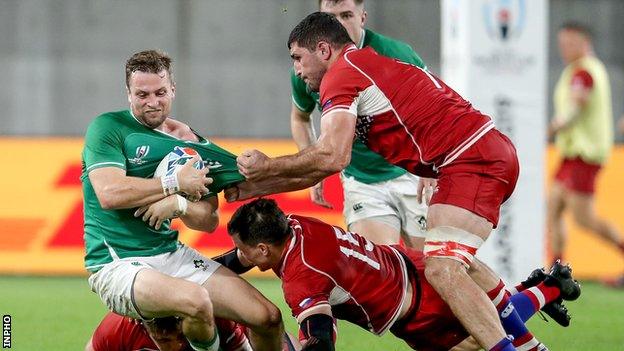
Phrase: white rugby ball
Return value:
(174, 160)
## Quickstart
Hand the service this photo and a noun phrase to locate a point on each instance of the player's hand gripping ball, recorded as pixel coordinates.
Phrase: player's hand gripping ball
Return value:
(175, 160)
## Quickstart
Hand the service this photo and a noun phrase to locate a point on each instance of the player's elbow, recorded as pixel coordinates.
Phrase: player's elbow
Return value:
(107, 202)
(212, 223)
(338, 161)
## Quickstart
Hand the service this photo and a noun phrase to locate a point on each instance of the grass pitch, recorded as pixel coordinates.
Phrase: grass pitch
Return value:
(54, 313)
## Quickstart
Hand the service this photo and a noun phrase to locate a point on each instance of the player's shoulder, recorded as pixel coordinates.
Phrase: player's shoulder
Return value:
(387, 46)
(111, 120)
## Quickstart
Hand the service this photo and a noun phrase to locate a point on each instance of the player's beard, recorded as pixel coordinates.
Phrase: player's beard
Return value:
(314, 79)
(154, 119)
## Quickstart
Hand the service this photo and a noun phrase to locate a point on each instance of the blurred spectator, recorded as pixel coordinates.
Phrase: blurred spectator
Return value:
(583, 130)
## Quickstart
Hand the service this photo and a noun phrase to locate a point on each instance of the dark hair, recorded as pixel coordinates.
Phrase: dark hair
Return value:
(319, 26)
(148, 61)
(164, 325)
(259, 221)
(336, 2)
(577, 27)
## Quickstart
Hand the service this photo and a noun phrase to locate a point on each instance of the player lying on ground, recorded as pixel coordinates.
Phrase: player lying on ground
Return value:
(120, 333)
(328, 273)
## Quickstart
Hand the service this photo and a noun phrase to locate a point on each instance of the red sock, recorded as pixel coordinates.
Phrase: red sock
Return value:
(541, 294)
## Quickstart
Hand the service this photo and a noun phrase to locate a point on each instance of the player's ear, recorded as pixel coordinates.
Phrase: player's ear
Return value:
(128, 93)
(264, 249)
(324, 49)
(364, 16)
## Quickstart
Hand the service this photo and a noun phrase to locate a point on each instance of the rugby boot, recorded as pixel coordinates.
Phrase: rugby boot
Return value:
(561, 276)
(558, 312)
(555, 309)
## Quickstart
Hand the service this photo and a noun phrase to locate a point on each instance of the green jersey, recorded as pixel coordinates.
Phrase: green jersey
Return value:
(118, 139)
(366, 166)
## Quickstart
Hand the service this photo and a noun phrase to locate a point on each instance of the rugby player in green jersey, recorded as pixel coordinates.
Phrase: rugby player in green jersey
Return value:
(138, 267)
(380, 200)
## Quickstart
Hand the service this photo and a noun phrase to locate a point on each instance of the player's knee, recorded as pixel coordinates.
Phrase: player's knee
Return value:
(269, 317)
(585, 221)
(196, 304)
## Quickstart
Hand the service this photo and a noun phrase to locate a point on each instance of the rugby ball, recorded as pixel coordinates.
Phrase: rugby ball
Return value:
(177, 158)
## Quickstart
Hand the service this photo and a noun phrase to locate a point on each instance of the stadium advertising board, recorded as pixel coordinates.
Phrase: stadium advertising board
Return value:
(494, 54)
(41, 212)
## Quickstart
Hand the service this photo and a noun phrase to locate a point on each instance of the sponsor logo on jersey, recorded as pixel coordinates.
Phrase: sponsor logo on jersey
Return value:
(358, 207)
(136, 263)
(140, 153)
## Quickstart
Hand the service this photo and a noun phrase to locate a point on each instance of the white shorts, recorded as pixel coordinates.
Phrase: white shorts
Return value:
(392, 202)
(114, 281)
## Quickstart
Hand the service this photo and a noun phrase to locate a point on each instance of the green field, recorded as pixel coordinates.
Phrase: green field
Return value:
(61, 313)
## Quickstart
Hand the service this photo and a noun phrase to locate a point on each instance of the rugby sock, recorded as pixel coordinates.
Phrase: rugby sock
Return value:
(503, 345)
(531, 300)
(510, 319)
(210, 345)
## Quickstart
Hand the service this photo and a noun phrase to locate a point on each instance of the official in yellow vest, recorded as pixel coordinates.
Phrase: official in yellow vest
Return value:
(583, 131)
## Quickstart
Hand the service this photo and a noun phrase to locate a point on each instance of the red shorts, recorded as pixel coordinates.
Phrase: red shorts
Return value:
(429, 325)
(481, 178)
(577, 175)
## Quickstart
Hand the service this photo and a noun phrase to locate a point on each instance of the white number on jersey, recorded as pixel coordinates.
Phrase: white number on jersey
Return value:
(348, 237)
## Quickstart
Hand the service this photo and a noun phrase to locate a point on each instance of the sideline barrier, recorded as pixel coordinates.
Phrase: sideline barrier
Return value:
(41, 208)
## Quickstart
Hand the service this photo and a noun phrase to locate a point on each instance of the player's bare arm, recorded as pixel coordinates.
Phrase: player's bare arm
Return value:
(301, 127)
(329, 155)
(115, 190)
(304, 135)
(199, 215)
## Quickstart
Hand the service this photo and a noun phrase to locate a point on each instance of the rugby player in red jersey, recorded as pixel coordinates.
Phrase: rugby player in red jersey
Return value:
(328, 273)
(414, 120)
(119, 333)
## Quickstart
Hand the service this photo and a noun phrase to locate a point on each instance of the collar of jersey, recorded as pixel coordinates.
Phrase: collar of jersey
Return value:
(204, 142)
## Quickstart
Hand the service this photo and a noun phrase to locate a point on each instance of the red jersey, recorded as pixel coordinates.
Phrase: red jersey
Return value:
(404, 113)
(323, 265)
(119, 333)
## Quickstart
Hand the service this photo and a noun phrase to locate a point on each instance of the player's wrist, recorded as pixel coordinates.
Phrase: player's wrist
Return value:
(170, 184)
(182, 205)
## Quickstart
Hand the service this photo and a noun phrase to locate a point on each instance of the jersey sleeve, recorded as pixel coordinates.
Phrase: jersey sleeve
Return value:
(582, 79)
(103, 145)
(300, 95)
(341, 90)
(305, 290)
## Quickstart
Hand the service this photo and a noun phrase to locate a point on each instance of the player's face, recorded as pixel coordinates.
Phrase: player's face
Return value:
(171, 340)
(350, 15)
(150, 96)
(255, 254)
(308, 65)
(571, 45)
